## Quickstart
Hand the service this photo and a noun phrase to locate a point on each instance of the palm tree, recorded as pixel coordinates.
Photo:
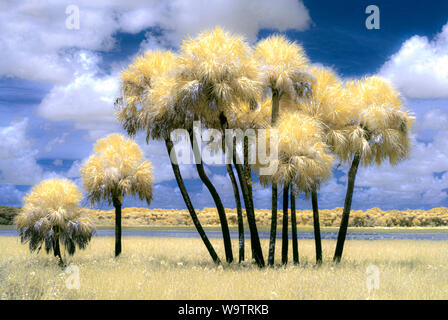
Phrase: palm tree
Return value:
(284, 73)
(51, 215)
(379, 131)
(215, 72)
(329, 104)
(146, 104)
(303, 163)
(117, 169)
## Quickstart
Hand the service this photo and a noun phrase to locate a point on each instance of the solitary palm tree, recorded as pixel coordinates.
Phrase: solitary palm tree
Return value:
(216, 72)
(284, 73)
(51, 215)
(115, 170)
(379, 131)
(146, 105)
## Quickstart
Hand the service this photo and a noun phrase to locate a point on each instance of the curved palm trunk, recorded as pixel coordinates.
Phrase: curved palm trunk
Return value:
(295, 247)
(347, 206)
(250, 213)
(186, 197)
(218, 203)
(239, 212)
(273, 233)
(285, 225)
(317, 238)
(56, 247)
(117, 205)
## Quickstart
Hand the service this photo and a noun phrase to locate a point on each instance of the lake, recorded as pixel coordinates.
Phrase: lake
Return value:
(263, 235)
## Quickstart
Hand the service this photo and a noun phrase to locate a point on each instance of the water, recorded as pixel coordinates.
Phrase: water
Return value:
(263, 235)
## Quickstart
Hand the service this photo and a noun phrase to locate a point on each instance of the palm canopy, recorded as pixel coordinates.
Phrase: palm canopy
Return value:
(146, 80)
(117, 169)
(303, 159)
(51, 211)
(284, 67)
(329, 102)
(215, 71)
(381, 126)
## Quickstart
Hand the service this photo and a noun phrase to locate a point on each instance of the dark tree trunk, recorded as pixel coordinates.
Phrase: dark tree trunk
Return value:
(56, 247)
(295, 247)
(186, 197)
(247, 168)
(254, 238)
(275, 107)
(247, 173)
(285, 225)
(273, 234)
(317, 237)
(239, 212)
(347, 206)
(218, 203)
(117, 205)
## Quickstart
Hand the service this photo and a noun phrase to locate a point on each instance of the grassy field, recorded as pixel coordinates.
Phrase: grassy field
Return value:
(160, 268)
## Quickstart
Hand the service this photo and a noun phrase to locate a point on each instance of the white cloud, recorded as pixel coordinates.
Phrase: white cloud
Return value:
(37, 45)
(87, 101)
(420, 68)
(18, 163)
(10, 195)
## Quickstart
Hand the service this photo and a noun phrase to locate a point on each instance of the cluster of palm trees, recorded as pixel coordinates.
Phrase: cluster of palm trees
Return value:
(219, 79)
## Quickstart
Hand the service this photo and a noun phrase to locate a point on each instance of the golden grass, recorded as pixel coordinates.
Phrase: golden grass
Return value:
(157, 268)
(328, 218)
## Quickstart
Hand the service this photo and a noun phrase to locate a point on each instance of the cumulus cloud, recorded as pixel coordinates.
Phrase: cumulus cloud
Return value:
(18, 163)
(420, 68)
(37, 45)
(10, 195)
(87, 101)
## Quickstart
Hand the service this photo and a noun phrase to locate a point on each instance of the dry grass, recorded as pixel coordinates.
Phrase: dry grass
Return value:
(156, 268)
(329, 218)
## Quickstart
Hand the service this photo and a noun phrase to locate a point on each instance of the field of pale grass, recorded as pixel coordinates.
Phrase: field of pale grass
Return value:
(162, 268)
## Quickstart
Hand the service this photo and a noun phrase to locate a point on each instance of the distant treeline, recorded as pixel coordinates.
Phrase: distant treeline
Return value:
(7, 214)
(374, 217)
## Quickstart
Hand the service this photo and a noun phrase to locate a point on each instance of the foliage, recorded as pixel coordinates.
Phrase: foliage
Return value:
(115, 170)
(51, 212)
(7, 214)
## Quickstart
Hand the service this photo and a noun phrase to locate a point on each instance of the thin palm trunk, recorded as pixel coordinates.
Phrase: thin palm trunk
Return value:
(239, 212)
(247, 173)
(117, 205)
(218, 203)
(295, 247)
(186, 197)
(285, 225)
(254, 238)
(56, 247)
(347, 206)
(273, 234)
(317, 238)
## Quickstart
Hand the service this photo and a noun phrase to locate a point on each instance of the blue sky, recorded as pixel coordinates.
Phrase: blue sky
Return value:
(57, 86)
